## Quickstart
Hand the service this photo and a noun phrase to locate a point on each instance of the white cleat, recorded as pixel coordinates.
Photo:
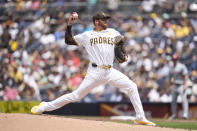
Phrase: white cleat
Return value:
(144, 122)
(38, 109)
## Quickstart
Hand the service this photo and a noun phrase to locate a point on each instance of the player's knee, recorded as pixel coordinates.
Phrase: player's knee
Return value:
(131, 87)
(76, 97)
(134, 86)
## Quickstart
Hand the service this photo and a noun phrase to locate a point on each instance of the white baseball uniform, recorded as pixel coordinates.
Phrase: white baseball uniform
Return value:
(100, 48)
(177, 73)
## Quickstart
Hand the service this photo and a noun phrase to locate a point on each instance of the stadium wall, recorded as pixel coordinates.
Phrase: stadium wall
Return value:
(152, 110)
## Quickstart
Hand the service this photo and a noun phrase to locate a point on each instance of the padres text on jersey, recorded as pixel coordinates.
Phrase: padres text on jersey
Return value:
(102, 40)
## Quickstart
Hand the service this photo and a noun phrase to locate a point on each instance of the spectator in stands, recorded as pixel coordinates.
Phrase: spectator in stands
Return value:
(5, 38)
(1, 91)
(147, 6)
(10, 94)
(181, 6)
(194, 23)
(162, 72)
(112, 5)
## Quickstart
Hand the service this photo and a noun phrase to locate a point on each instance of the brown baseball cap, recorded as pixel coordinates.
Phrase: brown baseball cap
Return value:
(101, 15)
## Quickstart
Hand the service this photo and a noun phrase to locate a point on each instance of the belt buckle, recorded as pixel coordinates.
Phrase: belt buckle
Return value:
(106, 67)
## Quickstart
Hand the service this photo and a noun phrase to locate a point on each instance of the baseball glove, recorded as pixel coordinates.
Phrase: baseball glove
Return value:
(119, 51)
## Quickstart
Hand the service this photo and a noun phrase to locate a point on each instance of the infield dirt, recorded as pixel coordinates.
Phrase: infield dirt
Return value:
(28, 122)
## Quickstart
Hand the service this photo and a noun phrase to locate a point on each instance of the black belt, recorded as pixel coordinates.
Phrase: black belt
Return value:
(102, 66)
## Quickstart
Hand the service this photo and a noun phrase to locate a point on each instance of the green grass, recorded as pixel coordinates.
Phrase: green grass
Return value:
(180, 124)
(176, 124)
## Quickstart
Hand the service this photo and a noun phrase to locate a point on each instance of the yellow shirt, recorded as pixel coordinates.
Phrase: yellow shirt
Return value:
(182, 32)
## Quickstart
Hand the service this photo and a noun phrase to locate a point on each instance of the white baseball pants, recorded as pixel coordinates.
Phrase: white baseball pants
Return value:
(179, 89)
(96, 76)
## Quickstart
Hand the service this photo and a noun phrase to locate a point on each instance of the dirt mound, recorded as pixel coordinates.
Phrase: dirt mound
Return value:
(27, 122)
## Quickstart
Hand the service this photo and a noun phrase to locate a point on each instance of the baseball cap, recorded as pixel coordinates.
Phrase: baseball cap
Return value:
(175, 57)
(101, 15)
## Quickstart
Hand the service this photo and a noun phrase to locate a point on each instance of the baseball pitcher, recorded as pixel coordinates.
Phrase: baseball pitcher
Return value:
(102, 44)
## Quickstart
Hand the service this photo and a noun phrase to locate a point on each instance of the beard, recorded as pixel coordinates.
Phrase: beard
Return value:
(104, 25)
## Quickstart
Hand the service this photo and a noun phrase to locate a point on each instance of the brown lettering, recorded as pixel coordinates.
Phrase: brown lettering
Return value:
(112, 41)
(104, 40)
(100, 40)
(95, 40)
(91, 41)
(108, 40)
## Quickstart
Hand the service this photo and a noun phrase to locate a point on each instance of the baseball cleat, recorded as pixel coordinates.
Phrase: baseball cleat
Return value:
(37, 109)
(172, 117)
(144, 122)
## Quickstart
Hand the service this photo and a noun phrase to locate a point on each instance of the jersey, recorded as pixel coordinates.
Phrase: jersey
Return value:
(178, 72)
(99, 45)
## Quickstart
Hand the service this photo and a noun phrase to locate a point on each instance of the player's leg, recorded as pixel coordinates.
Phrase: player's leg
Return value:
(185, 104)
(118, 79)
(85, 87)
(174, 103)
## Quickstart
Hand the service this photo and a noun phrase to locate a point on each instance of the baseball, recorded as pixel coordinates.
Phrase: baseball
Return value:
(75, 15)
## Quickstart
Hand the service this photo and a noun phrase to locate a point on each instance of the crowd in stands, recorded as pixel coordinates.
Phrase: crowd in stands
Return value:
(36, 64)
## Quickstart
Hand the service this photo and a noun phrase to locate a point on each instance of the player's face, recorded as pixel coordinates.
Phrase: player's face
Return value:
(103, 23)
(175, 62)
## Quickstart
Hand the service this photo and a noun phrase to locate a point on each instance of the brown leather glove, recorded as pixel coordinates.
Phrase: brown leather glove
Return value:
(119, 51)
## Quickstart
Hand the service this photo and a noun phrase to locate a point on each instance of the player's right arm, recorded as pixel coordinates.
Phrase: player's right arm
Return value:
(68, 34)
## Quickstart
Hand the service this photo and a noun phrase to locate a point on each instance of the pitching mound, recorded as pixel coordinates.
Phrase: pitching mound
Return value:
(27, 122)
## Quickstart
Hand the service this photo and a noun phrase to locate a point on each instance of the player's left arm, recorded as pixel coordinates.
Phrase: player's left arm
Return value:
(185, 77)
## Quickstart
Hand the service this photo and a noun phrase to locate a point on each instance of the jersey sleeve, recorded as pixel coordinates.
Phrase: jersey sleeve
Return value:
(116, 33)
(79, 39)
